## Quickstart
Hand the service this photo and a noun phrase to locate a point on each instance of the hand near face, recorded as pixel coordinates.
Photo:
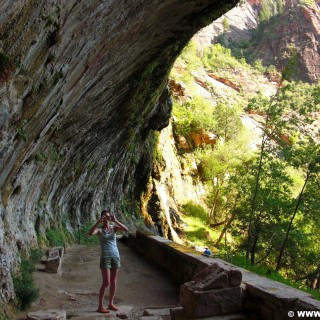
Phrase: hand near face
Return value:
(101, 220)
(112, 217)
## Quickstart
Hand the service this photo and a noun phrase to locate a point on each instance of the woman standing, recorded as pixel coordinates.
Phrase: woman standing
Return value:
(110, 258)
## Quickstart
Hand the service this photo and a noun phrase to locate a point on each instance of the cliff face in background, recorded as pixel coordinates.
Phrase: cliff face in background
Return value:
(82, 96)
(298, 26)
(242, 21)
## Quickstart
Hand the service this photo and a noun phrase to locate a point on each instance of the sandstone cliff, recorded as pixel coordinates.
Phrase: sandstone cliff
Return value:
(298, 26)
(80, 83)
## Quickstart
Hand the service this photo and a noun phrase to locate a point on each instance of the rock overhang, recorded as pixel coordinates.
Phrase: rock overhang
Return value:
(80, 107)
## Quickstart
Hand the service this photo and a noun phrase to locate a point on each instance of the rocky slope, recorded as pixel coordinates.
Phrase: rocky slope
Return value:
(80, 83)
(242, 20)
(297, 27)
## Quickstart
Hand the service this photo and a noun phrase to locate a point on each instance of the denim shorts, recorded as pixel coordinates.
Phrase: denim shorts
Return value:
(110, 263)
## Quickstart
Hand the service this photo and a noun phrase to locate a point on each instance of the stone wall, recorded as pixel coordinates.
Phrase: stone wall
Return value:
(262, 298)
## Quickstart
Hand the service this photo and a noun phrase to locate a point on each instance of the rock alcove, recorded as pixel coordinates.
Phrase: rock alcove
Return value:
(82, 97)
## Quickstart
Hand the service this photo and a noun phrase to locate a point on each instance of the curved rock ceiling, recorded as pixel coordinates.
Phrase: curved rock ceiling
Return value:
(80, 83)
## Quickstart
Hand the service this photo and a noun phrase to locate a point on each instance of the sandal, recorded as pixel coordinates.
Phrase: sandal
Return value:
(112, 307)
(103, 310)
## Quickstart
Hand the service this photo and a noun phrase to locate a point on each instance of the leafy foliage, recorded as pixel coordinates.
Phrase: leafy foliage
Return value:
(307, 3)
(193, 116)
(194, 210)
(266, 201)
(58, 236)
(197, 229)
(82, 235)
(218, 57)
(23, 281)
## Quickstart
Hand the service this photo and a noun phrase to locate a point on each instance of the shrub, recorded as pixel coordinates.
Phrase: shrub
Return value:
(190, 55)
(257, 64)
(217, 57)
(193, 116)
(82, 234)
(59, 236)
(195, 210)
(3, 315)
(23, 281)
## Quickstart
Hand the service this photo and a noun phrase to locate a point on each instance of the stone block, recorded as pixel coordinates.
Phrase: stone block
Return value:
(217, 276)
(60, 249)
(51, 314)
(267, 311)
(53, 254)
(307, 303)
(199, 304)
(53, 264)
(178, 314)
(157, 312)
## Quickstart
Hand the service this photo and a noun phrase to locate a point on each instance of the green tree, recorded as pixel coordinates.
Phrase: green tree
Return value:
(308, 158)
(228, 122)
(193, 116)
(219, 165)
(288, 120)
(265, 12)
(225, 24)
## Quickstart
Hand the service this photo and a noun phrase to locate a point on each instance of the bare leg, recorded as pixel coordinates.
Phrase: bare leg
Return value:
(105, 283)
(112, 291)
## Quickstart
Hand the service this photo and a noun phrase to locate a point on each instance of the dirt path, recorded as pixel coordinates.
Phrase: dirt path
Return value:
(75, 288)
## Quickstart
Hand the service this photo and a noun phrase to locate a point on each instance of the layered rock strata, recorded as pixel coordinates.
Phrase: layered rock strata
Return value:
(81, 99)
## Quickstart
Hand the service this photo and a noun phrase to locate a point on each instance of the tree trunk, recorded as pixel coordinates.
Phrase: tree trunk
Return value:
(310, 171)
(213, 210)
(255, 241)
(253, 202)
(316, 282)
(225, 228)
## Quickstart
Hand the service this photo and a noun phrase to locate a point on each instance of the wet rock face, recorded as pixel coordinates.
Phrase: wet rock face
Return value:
(80, 83)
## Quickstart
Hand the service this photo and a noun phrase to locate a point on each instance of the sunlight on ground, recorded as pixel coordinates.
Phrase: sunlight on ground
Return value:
(196, 231)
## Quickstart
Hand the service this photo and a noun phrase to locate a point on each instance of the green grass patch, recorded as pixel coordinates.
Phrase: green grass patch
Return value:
(197, 230)
(58, 236)
(23, 281)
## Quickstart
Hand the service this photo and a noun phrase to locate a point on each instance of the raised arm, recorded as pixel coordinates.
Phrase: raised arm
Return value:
(95, 230)
(118, 225)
